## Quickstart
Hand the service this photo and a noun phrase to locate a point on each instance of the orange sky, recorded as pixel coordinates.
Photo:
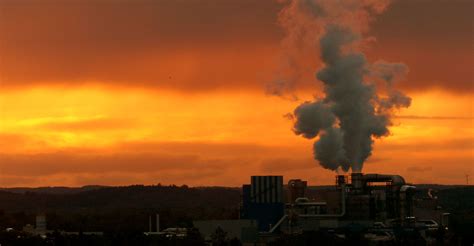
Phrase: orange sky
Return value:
(99, 93)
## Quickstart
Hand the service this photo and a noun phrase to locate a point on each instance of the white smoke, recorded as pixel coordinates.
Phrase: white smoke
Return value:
(351, 113)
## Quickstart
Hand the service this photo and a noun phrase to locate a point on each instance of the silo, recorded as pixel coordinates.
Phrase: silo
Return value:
(263, 200)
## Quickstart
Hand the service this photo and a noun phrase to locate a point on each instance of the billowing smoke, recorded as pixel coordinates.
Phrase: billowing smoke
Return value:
(359, 97)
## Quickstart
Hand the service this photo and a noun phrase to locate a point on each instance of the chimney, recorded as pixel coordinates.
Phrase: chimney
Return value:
(356, 180)
(340, 180)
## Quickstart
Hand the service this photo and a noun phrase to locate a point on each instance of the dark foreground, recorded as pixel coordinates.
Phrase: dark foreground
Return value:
(121, 215)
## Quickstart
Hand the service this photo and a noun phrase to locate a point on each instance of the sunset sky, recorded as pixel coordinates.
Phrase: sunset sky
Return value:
(177, 92)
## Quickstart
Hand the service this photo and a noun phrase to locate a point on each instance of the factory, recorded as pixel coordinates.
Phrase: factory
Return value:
(380, 205)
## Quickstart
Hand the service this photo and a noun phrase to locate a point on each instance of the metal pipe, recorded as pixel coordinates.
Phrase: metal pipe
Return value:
(342, 213)
(343, 208)
(372, 177)
(278, 223)
(404, 188)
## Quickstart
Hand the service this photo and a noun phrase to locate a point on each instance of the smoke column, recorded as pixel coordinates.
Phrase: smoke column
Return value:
(359, 98)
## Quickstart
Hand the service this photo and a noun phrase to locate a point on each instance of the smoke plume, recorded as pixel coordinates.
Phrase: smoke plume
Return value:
(359, 97)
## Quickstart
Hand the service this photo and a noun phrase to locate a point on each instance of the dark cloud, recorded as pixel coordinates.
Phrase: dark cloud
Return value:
(134, 42)
(204, 45)
(433, 38)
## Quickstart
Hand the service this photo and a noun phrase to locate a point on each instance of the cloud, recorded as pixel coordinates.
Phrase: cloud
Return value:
(443, 29)
(76, 163)
(207, 148)
(214, 163)
(427, 145)
(282, 165)
(8, 138)
(18, 180)
(13, 142)
(187, 162)
(92, 124)
(419, 169)
(207, 45)
(423, 117)
(195, 163)
(136, 43)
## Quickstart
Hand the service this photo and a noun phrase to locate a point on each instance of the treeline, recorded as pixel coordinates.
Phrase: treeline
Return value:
(126, 208)
(115, 210)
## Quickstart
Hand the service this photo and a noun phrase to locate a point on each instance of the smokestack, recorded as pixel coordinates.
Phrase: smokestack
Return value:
(340, 180)
(352, 113)
(356, 181)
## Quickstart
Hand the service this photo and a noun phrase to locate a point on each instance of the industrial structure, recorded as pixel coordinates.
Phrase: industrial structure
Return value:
(263, 201)
(381, 204)
(362, 201)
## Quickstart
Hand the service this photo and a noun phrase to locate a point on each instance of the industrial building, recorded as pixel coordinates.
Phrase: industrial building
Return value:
(382, 205)
(365, 200)
(263, 201)
(40, 228)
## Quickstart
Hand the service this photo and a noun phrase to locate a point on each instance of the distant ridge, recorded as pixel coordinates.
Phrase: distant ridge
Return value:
(59, 190)
(53, 189)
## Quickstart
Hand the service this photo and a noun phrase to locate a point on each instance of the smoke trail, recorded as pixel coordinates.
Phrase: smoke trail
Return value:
(351, 114)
